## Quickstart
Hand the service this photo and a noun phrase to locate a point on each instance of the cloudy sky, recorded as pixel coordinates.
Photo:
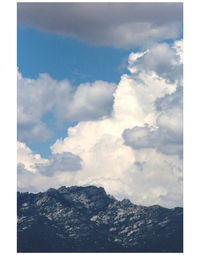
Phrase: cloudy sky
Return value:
(100, 98)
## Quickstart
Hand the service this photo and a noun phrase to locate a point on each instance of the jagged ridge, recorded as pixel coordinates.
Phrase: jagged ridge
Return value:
(86, 219)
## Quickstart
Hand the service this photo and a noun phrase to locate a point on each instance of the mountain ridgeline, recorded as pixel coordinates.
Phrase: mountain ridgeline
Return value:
(86, 219)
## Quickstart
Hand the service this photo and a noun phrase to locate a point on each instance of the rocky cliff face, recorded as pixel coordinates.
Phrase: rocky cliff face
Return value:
(86, 219)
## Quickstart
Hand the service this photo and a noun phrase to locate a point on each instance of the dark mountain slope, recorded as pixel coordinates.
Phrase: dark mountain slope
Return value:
(86, 219)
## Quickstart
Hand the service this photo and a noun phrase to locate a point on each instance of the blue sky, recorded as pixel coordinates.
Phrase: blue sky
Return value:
(100, 98)
(68, 58)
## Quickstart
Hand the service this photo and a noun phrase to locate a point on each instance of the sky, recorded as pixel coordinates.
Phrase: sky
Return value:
(99, 98)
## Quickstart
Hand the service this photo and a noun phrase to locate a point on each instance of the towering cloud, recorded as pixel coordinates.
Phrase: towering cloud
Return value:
(136, 150)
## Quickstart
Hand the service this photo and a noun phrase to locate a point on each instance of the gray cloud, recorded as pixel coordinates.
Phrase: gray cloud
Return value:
(36, 130)
(116, 24)
(139, 165)
(170, 101)
(21, 169)
(63, 162)
(167, 138)
(163, 140)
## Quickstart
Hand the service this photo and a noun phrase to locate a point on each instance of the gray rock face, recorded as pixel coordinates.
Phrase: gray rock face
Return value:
(86, 219)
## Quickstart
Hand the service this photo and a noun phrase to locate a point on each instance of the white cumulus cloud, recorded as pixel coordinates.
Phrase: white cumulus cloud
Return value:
(35, 173)
(65, 101)
(27, 158)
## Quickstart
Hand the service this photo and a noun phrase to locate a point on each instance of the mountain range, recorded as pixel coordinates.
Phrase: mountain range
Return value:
(86, 219)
